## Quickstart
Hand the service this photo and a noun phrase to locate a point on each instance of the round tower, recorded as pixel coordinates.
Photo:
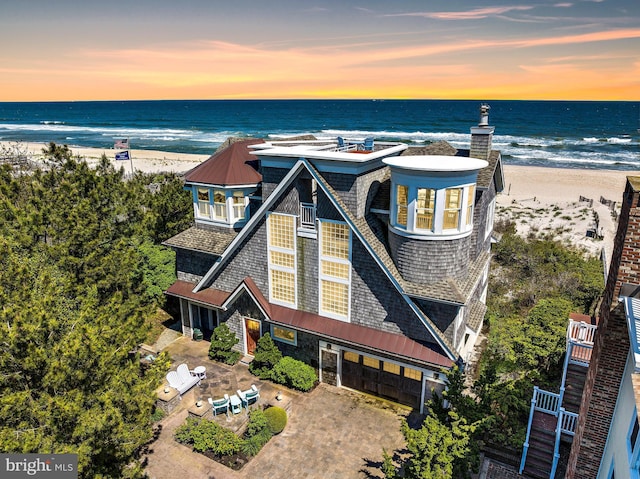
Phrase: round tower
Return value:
(431, 215)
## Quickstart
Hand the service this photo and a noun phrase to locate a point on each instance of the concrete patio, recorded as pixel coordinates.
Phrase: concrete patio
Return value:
(331, 432)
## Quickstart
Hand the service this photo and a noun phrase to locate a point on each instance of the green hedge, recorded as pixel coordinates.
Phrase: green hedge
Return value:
(206, 435)
(294, 374)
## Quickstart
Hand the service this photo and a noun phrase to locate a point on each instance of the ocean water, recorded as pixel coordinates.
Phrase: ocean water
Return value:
(561, 134)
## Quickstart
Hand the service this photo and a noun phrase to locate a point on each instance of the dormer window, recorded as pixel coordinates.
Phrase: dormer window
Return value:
(204, 206)
(219, 205)
(238, 205)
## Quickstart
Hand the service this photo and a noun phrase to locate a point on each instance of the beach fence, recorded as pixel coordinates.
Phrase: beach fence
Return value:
(612, 206)
(583, 199)
(610, 203)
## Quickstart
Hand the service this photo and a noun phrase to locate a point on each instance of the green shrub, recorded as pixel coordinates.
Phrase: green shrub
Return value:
(184, 433)
(157, 414)
(208, 436)
(257, 422)
(266, 356)
(252, 445)
(276, 419)
(257, 433)
(294, 373)
(222, 343)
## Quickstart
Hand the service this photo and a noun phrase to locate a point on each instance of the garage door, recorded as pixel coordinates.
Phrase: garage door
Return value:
(381, 378)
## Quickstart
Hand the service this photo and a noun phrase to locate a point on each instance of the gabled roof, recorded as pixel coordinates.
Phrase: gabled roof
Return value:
(381, 257)
(233, 166)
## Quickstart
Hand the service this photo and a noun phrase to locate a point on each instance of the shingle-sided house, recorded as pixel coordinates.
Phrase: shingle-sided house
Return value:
(367, 260)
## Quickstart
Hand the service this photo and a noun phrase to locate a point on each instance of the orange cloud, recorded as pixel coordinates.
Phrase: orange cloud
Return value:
(217, 69)
(465, 15)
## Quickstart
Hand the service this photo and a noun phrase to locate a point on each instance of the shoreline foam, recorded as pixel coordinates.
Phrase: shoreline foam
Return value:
(538, 199)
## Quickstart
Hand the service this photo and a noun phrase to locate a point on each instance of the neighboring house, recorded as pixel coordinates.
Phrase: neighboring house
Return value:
(367, 260)
(607, 443)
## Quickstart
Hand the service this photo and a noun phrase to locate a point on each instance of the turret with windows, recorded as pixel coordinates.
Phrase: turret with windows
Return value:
(431, 214)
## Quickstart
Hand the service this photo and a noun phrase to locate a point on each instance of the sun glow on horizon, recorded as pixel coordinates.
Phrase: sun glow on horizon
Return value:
(396, 59)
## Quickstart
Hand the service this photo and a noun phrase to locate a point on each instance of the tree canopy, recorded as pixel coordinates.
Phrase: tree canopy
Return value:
(80, 273)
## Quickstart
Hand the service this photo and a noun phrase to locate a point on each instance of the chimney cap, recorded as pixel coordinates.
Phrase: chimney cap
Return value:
(484, 114)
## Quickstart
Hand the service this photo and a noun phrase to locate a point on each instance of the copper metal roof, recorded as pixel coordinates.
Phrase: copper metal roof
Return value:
(389, 343)
(235, 165)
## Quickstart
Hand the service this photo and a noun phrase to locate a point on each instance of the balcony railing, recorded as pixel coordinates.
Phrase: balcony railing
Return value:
(308, 216)
(581, 332)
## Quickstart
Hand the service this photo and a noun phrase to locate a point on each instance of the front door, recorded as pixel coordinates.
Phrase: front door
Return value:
(252, 333)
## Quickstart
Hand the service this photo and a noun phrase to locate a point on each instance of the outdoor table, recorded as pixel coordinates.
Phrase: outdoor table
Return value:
(201, 372)
(236, 404)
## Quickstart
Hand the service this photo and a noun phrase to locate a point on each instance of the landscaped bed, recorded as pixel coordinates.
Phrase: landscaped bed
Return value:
(223, 445)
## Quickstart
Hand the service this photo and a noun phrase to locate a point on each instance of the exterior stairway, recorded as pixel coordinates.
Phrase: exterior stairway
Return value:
(541, 445)
(574, 385)
(553, 416)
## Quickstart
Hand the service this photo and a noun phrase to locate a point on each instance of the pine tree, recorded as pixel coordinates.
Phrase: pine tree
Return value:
(72, 307)
(265, 357)
(222, 343)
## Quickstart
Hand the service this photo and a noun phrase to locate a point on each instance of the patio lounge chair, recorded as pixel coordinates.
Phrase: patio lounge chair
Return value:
(182, 379)
(368, 144)
(342, 146)
(249, 396)
(220, 405)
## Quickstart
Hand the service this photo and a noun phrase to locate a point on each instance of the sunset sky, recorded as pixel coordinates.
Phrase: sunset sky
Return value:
(206, 49)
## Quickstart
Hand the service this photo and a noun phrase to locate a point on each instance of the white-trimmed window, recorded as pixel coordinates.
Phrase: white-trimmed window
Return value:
(281, 248)
(471, 198)
(402, 202)
(425, 204)
(219, 205)
(238, 205)
(452, 206)
(284, 335)
(204, 205)
(335, 269)
(432, 212)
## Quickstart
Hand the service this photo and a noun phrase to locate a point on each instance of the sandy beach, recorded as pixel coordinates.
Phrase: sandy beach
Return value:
(539, 200)
(547, 200)
(147, 161)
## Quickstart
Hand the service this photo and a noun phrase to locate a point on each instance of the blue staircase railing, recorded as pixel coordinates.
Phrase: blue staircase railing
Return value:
(580, 338)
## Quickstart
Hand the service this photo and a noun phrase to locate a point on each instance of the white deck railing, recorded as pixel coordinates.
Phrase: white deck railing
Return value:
(581, 332)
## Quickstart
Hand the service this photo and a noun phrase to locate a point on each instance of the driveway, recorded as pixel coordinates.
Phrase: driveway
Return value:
(331, 433)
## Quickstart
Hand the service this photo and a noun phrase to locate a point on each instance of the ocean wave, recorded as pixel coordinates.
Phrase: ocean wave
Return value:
(52, 122)
(104, 131)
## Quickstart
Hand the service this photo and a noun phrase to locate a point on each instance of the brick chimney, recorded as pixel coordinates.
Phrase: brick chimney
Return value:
(482, 135)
